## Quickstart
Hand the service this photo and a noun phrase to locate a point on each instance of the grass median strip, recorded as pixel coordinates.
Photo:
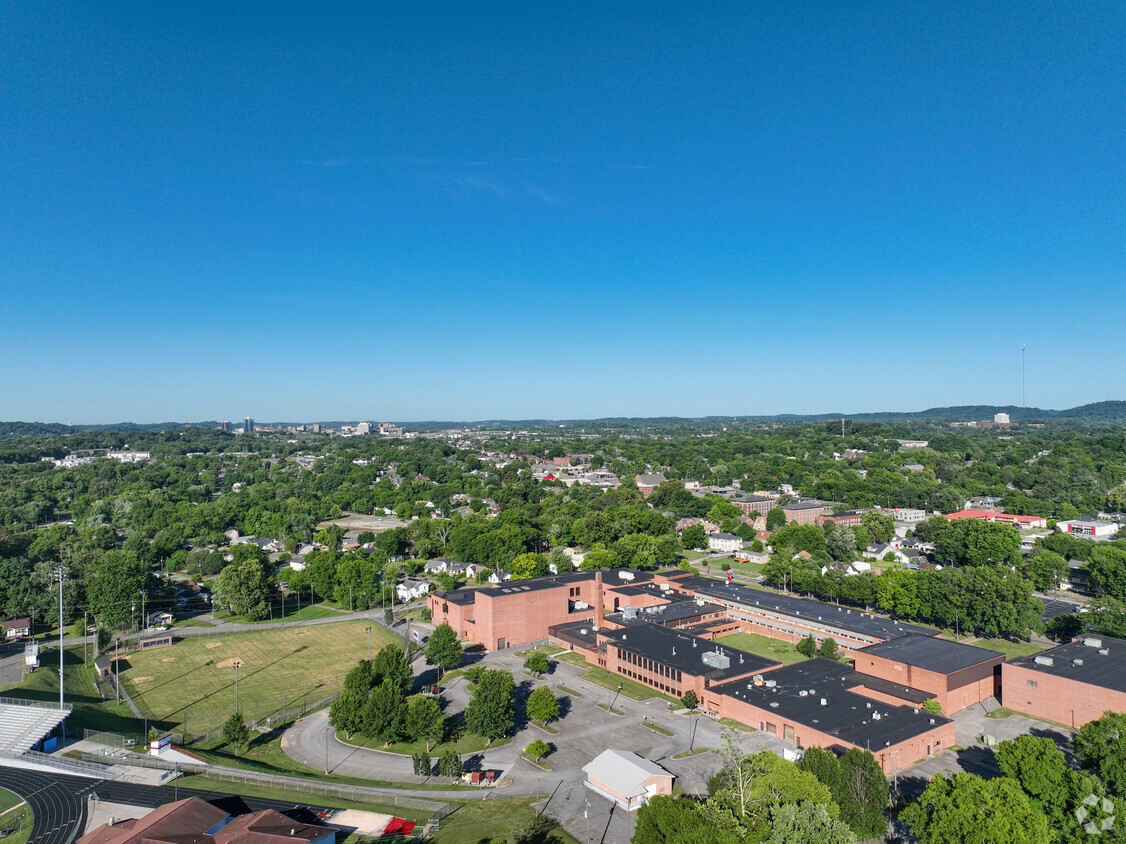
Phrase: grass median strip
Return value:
(657, 728)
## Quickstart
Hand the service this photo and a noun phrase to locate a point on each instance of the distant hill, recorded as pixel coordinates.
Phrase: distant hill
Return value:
(1100, 411)
(1113, 412)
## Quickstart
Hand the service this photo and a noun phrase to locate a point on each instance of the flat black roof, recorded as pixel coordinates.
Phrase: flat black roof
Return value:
(806, 609)
(685, 653)
(1107, 671)
(664, 613)
(846, 715)
(804, 505)
(879, 684)
(932, 653)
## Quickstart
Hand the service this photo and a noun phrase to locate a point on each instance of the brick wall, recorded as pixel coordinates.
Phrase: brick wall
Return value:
(1055, 698)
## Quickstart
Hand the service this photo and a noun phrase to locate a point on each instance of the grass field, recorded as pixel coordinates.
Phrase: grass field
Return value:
(191, 685)
(763, 646)
(20, 818)
(1011, 650)
(481, 820)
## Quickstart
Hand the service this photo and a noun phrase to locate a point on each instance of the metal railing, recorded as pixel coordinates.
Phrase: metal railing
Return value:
(39, 704)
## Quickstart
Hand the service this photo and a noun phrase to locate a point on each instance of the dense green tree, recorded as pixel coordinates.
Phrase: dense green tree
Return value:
(806, 823)
(542, 705)
(538, 749)
(347, 711)
(1036, 763)
(672, 820)
(443, 649)
(424, 720)
(775, 519)
(965, 809)
(385, 713)
(807, 647)
(537, 663)
(694, 536)
(841, 544)
(829, 649)
(689, 700)
(391, 663)
(113, 586)
(450, 765)
(489, 712)
(243, 588)
(880, 526)
(1101, 747)
(235, 732)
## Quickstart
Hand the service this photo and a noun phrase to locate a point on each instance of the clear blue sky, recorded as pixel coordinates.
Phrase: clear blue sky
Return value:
(482, 210)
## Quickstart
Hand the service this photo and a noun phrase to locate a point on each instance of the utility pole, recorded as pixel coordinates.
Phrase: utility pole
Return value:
(368, 631)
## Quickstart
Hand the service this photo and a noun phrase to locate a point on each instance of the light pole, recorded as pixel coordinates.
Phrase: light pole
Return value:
(368, 631)
(616, 695)
(60, 575)
(237, 666)
(327, 731)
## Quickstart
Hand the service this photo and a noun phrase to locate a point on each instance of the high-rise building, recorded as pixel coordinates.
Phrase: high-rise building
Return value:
(226, 426)
(248, 426)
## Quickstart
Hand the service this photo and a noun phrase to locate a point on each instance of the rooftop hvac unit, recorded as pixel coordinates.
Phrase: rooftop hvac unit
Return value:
(716, 659)
(757, 679)
(876, 716)
(770, 684)
(1104, 651)
(774, 704)
(803, 693)
(629, 612)
(1044, 660)
(824, 702)
(1077, 662)
(1092, 642)
(932, 721)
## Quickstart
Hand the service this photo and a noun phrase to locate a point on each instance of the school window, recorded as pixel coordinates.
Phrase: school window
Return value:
(1035, 684)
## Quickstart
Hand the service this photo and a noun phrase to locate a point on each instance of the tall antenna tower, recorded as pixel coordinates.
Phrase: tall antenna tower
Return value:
(1023, 400)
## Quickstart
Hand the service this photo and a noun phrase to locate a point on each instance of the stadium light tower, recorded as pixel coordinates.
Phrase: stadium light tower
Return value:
(60, 575)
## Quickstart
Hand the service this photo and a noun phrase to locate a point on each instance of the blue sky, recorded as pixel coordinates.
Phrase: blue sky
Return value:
(562, 210)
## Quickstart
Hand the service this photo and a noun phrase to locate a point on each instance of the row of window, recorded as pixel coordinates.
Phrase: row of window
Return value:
(633, 675)
(648, 665)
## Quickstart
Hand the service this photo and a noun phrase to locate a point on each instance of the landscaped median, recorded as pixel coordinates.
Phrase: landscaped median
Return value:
(468, 743)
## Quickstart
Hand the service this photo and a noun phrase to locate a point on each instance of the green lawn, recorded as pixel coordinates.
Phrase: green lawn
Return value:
(203, 782)
(481, 820)
(763, 646)
(1011, 650)
(8, 799)
(266, 756)
(293, 612)
(15, 818)
(81, 693)
(470, 743)
(191, 685)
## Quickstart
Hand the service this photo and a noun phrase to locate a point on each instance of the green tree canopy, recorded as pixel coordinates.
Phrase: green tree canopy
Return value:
(965, 809)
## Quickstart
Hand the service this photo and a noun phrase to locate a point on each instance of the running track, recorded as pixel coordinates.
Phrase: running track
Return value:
(59, 801)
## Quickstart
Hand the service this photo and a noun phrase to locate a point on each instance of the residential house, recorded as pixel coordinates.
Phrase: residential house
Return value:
(16, 628)
(725, 542)
(412, 590)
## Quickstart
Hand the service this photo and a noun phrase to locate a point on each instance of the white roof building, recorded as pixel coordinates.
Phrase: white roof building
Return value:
(626, 778)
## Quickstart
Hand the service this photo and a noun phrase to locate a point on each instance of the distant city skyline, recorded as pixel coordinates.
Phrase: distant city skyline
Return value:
(558, 211)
